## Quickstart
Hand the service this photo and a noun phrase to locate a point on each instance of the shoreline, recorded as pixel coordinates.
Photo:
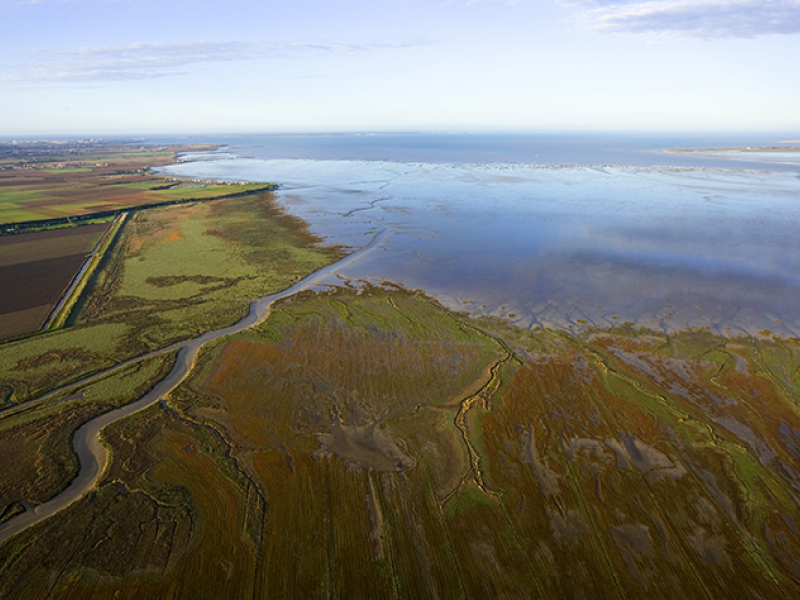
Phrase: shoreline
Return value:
(754, 149)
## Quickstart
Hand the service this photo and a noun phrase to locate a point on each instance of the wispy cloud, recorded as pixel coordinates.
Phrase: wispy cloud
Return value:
(473, 2)
(709, 19)
(154, 60)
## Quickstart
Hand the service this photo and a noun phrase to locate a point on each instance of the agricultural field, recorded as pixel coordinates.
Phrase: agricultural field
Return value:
(64, 185)
(367, 442)
(173, 273)
(35, 271)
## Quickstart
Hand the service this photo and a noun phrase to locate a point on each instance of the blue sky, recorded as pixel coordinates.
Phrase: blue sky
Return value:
(141, 66)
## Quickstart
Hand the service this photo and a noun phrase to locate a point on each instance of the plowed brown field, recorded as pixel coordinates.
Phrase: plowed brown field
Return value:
(35, 271)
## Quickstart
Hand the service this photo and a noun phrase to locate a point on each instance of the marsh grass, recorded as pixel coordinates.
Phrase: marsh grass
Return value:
(36, 442)
(613, 465)
(184, 270)
(35, 365)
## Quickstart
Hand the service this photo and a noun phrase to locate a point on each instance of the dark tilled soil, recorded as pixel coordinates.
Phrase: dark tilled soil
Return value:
(36, 283)
(50, 234)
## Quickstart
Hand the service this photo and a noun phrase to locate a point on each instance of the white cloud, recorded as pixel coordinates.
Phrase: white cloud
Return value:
(709, 19)
(153, 60)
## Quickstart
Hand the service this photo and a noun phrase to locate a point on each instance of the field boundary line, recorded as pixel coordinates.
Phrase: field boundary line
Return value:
(26, 226)
(58, 317)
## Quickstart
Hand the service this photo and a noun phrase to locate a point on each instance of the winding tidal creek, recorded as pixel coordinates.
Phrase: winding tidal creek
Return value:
(86, 442)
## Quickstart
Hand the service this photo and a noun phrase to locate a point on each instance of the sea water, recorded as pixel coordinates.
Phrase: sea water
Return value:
(553, 231)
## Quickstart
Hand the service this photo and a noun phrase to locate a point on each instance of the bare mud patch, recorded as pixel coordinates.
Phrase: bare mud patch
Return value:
(364, 447)
(636, 548)
(548, 479)
(565, 526)
(629, 451)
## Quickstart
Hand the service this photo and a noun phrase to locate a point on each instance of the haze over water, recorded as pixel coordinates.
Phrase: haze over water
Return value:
(560, 231)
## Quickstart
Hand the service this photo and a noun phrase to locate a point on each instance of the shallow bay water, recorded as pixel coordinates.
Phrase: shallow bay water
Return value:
(559, 246)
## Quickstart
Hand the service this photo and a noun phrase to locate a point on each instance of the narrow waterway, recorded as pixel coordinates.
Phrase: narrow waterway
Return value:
(92, 454)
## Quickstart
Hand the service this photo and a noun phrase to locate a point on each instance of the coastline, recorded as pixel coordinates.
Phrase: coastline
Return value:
(728, 150)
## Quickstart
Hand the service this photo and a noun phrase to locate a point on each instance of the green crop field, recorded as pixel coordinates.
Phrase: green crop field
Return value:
(36, 190)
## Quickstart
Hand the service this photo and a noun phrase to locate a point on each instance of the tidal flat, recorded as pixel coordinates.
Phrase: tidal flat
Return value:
(562, 247)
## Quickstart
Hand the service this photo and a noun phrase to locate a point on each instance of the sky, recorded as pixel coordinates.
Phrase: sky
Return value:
(106, 67)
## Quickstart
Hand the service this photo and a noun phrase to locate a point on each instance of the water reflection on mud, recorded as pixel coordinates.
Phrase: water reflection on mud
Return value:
(561, 246)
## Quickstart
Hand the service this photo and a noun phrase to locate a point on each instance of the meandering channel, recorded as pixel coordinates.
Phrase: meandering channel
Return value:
(93, 456)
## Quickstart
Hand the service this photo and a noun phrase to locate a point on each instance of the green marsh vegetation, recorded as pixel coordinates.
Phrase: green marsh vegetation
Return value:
(163, 492)
(35, 439)
(32, 366)
(174, 273)
(180, 271)
(367, 442)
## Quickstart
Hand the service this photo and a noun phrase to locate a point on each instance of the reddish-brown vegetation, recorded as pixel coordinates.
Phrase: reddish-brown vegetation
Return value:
(368, 443)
